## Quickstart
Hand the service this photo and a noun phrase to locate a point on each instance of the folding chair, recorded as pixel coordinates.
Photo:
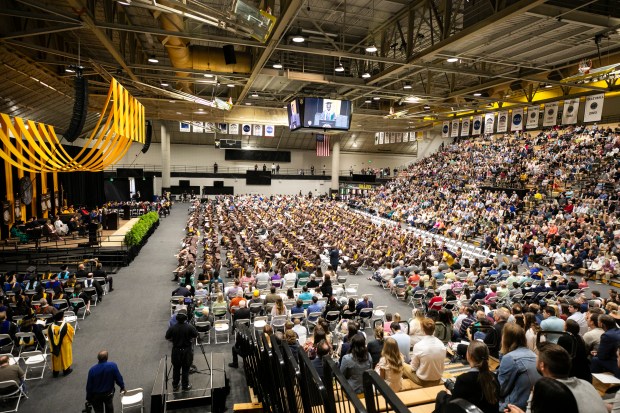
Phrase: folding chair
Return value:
(204, 337)
(174, 301)
(10, 389)
(133, 398)
(71, 318)
(34, 360)
(365, 315)
(259, 323)
(60, 304)
(351, 289)
(80, 304)
(10, 344)
(222, 328)
(23, 338)
(92, 292)
(278, 321)
(380, 311)
(103, 283)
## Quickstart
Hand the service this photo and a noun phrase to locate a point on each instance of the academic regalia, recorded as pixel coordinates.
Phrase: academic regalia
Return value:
(60, 336)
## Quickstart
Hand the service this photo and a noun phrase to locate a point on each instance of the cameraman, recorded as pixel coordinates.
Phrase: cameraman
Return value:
(182, 334)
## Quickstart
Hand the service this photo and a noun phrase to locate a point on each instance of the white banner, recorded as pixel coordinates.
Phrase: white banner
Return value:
(551, 114)
(445, 129)
(198, 127)
(185, 127)
(392, 137)
(489, 123)
(257, 130)
(502, 122)
(517, 120)
(406, 137)
(399, 137)
(594, 108)
(533, 112)
(246, 129)
(455, 129)
(376, 138)
(381, 138)
(233, 129)
(476, 126)
(270, 130)
(569, 115)
(465, 127)
(223, 128)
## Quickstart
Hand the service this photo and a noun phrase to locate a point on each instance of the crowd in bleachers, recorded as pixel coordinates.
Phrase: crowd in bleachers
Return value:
(530, 311)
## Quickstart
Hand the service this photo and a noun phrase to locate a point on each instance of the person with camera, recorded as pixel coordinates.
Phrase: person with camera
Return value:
(182, 335)
(100, 384)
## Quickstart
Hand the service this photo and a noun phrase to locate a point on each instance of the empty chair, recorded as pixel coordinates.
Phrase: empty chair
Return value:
(133, 398)
(204, 332)
(259, 323)
(71, 318)
(9, 344)
(380, 311)
(278, 321)
(222, 328)
(34, 360)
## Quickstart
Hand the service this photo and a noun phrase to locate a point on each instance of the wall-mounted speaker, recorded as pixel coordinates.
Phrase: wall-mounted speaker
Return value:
(229, 54)
(149, 135)
(80, 110)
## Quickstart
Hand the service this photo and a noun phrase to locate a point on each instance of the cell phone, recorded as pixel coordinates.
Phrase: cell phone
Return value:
(449, 384)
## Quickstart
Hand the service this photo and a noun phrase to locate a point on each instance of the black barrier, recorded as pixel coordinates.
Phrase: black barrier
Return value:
(342, 396)
(379, 396)
(293, 380)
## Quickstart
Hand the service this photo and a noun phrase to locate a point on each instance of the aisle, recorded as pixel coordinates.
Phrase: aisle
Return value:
(130, 323)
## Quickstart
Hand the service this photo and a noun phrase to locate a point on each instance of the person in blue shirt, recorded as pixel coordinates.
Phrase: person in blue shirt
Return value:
(316, 306)
(100, 384)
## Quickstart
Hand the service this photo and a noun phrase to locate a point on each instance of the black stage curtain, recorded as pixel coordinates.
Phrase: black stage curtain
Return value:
(81, 188)
(145, 186)
(117, 190)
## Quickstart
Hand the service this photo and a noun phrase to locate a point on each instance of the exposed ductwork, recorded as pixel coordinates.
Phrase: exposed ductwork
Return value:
(184, 56)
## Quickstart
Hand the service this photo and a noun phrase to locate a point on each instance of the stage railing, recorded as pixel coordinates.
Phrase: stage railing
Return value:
(379, 397)
(339, 392)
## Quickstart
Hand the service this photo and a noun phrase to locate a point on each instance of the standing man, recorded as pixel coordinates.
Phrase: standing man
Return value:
(215, 168)
(182, 336)
(328, 113)
(334, 258)
(100, 384)
(60, 336)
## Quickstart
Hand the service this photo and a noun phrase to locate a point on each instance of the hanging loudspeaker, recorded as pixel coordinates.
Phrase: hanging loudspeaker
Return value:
(80, 109)
(149, 133)
(229, 54)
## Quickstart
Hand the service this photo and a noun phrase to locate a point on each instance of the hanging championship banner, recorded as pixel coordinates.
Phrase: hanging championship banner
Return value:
(270, 130)
(258, 130)
(465, 127)
(7, 213)
(455, 128)
(532, 117)
(376, 138)
(477, 126)
(246, 129)
(445, 129)
(233, 129)
(517, 120)
(392, 137)
(502, 122)
(594, 108)
(406, 137)
(185, 127)
(551, 114)
(223, 128)
(489, 123)
(569, 115)
(198, 127)
(381, 138)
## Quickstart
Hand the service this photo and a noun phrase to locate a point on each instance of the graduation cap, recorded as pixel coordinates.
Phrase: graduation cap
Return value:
(31, 269)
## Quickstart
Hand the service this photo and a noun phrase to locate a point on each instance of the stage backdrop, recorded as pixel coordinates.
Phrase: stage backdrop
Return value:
(81, 188)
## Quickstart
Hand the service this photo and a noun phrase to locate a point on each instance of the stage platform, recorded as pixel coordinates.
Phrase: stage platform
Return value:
(109, 249)
(209, 385)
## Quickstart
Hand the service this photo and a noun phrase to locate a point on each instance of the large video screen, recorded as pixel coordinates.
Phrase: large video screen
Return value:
(294, 115)
(319, 113)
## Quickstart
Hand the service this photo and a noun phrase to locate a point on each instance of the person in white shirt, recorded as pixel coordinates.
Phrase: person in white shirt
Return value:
(576, 315)
(301, 331)
(593, 337)
(61, 227)
(290, 278)
(427, 358)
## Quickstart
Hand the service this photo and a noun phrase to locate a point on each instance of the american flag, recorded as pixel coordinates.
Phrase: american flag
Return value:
(322, 145)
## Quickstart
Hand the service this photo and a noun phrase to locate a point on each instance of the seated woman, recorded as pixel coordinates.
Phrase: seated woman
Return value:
(478, 386)
(390, 365)
(574, 344)
(17, 233)
(50, 231)
(549, 395)
(61, 227)
(78, 293)
(356, 363)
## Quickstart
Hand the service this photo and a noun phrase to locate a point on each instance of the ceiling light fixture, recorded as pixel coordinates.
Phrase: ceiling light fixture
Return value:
(427, 107)
(372, 48)
(368, 101)
(69, 69)
(153, 59)
(340, 67)
(548, 86)
(248, 103)
(230, 85)
(277, 65)
(164, 84)
(376, 98)
(477, 94)
(124, 2)
(365, 75)
(298, 37)
(208, 75)
(452, 59)
(407, 86)
(254, 95)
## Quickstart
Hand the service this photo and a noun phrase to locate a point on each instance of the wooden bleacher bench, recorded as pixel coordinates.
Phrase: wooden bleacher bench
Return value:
(418, 398)
(254, 406)
(425, 408)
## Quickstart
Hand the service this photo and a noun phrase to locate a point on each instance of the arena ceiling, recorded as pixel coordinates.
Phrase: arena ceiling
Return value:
(502, 53)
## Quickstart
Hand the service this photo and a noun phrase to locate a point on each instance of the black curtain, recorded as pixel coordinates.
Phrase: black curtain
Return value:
(116, 189)
(145, 186)
(81, 188)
